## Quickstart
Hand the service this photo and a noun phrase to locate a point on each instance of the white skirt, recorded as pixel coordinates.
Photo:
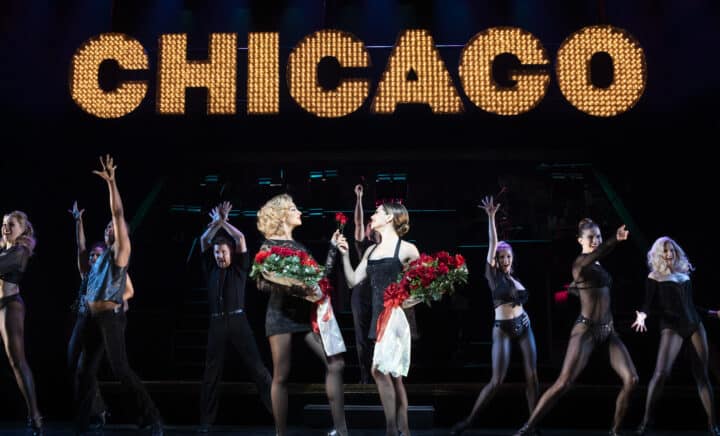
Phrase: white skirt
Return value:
(392, 352)
(329, 329)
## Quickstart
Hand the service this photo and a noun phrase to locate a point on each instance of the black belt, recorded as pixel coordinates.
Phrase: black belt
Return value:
(217, 315)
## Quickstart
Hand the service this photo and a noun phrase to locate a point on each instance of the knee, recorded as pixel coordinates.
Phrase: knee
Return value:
(632, 381)
(495, 382)
(280, 372)
(401, 401)
(563, 384)
(17, 361)
(701, 376)
(280, 380)
(336, 366)
(379, 377)
(661, 375)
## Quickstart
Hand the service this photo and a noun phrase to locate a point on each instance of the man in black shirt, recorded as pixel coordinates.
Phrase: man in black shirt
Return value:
(225, 264)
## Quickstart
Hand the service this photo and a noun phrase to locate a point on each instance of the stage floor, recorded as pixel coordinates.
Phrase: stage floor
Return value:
(66, 429)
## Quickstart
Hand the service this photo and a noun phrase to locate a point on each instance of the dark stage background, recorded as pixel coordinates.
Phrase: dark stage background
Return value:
(650, 168)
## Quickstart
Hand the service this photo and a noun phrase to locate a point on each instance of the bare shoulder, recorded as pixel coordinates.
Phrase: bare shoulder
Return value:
(408, 251)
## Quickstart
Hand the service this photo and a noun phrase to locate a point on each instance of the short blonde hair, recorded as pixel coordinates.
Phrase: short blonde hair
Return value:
(271, 217)
(656, 261)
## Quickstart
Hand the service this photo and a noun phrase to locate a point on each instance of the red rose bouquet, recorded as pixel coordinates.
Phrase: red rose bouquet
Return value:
(286, 266)
(428, 278)
(425, 279)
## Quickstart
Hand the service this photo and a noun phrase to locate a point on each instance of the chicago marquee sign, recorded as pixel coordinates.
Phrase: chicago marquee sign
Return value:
(414, 51)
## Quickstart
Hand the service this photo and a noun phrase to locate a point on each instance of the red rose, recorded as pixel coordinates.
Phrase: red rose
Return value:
(424, 258)
(340, 221)
(261, 256)
(443, 257)
(394, 295)
(460, 260)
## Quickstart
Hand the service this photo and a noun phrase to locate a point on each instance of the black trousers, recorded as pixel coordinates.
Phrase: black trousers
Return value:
(105, 333)
(235, 329)
(74, 355)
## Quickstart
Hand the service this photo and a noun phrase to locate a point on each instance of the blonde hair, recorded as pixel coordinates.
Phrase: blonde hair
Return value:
(27, 237)
(271, 217)
(401, 218)
(656, 261)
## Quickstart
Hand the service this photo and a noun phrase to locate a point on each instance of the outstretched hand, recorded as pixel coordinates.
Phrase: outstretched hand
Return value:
(108, 168)
(639, 324)
(622, 233)
(214, 215)
(490, 207)
(76, 214)
(224, 209)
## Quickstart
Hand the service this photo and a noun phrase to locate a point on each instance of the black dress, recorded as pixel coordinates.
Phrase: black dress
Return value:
(674, 300)
(381, 273)
(288, 311)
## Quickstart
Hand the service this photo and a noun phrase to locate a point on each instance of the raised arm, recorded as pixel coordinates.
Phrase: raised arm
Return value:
(82, 254)
(122, 238)
(331, 258)
(237, 235)
(491, 208)
(606, 247)
(352, 276)
(359, 217)
(212, 229)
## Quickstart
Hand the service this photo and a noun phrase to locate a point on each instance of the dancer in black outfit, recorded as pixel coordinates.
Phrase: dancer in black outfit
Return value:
(225, 264)
(511, 322)
(85, 260)
(380, 265)
(669, 286)
(16, 247)
(361, 298)
(288, 312)
(105, 333)
(593, 328)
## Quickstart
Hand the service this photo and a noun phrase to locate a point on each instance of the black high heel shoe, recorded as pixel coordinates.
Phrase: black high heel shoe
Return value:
(525, 430)
(35, 425)
(642, 429)
(460, 427)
